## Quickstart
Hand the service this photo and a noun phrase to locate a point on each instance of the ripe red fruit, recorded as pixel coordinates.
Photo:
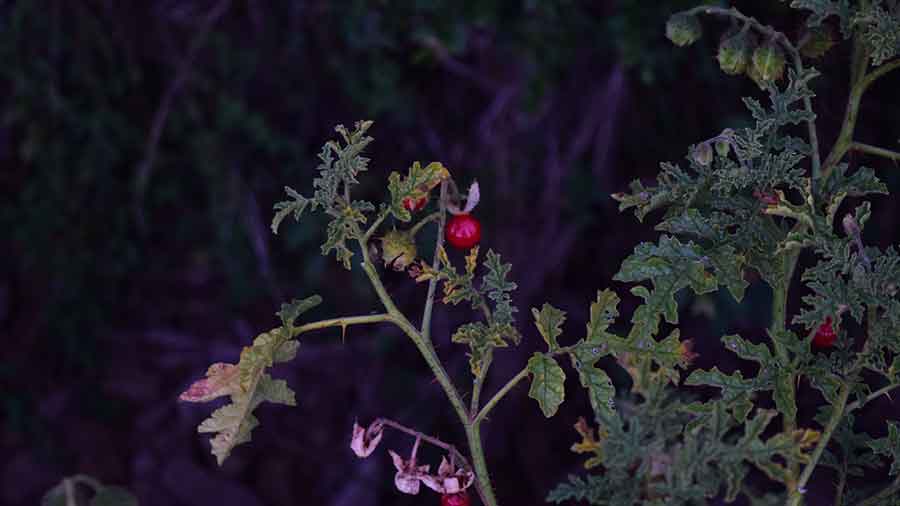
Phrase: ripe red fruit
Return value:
(415, 205)
(825, 334)
(463, 231)
(458, 499)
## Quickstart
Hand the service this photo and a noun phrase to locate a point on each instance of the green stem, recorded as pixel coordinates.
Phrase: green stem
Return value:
(437, 215)
(874, 395)
(858, 89)
(435, 264)
(371, 231)
(478, 382)
(795, 497)
(437, 368)
(343, 322)
(875, 150)
(473, 436)
(842, 483)
(500, 394)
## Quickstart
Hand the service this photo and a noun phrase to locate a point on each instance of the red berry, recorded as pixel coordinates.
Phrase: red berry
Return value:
(458, 499)
(415, 205)
(463, 231)
(825, 334)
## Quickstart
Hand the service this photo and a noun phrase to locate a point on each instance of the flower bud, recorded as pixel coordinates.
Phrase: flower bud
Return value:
(734, 53)
(768, 62)
(398, 250)
(683, 29)
(702, 154)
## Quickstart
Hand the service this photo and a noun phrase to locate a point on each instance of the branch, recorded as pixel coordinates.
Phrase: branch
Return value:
(449, 448)
(500, 394)
(875, 150)
(796, 494)
(342, 322)
(874, 395)
(144, 168)
(435, 264)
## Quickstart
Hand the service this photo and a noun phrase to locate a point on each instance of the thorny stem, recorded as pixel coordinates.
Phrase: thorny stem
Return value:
(342, 322)
(426, 349)
(874, 395)
(796, 493)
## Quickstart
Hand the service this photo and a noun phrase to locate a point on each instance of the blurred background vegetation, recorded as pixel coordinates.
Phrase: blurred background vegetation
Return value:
(142, 145)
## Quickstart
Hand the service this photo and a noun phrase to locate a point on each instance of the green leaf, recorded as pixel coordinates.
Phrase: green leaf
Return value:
(733, 386)
(547, 383)
(418, 182)
(286, 208)
(113, 496)
(481, 339)
(247, 383)
(748, 351)
(549, 322)
(889, 446)
(670, 266)
(290, 312)
(498, 289)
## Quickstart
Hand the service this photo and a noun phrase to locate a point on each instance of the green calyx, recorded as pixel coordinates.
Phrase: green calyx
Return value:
(734, 53)
(817, 42)
(683, 29)
(398, 249)
(768, 63)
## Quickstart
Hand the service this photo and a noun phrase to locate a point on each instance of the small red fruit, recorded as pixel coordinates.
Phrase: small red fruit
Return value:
(458, 499)
(463, 231)
(825, 334)
(415, 205)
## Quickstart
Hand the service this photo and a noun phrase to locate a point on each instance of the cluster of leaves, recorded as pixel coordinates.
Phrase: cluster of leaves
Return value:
(247, 382)
(746, 201)
(340, 164)
(498, 329)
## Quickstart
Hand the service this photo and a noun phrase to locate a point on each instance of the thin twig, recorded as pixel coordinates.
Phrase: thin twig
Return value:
(875, 150)
(435, 264)
(428, 439)
(144, 168)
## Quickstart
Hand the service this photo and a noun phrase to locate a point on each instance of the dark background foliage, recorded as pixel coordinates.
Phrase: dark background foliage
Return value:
(142, 145)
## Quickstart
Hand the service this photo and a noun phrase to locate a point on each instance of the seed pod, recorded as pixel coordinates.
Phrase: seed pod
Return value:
(703, 154)
(817, 41)
(768, 62)
(735, 53)
(398, 250)
(683, 29)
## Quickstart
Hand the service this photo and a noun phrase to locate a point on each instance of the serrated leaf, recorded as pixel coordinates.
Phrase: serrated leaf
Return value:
(549, 321)
(670, 266)
(547, 383)
(416, 185)
(733, 386)
(889, 446)
(248, 384)
(758, 353)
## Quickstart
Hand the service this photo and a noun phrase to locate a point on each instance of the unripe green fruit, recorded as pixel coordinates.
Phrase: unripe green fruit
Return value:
(734, 54)
(817, 42)
(398, 249)
(768, 62)
(723, 148)
(683, 29)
